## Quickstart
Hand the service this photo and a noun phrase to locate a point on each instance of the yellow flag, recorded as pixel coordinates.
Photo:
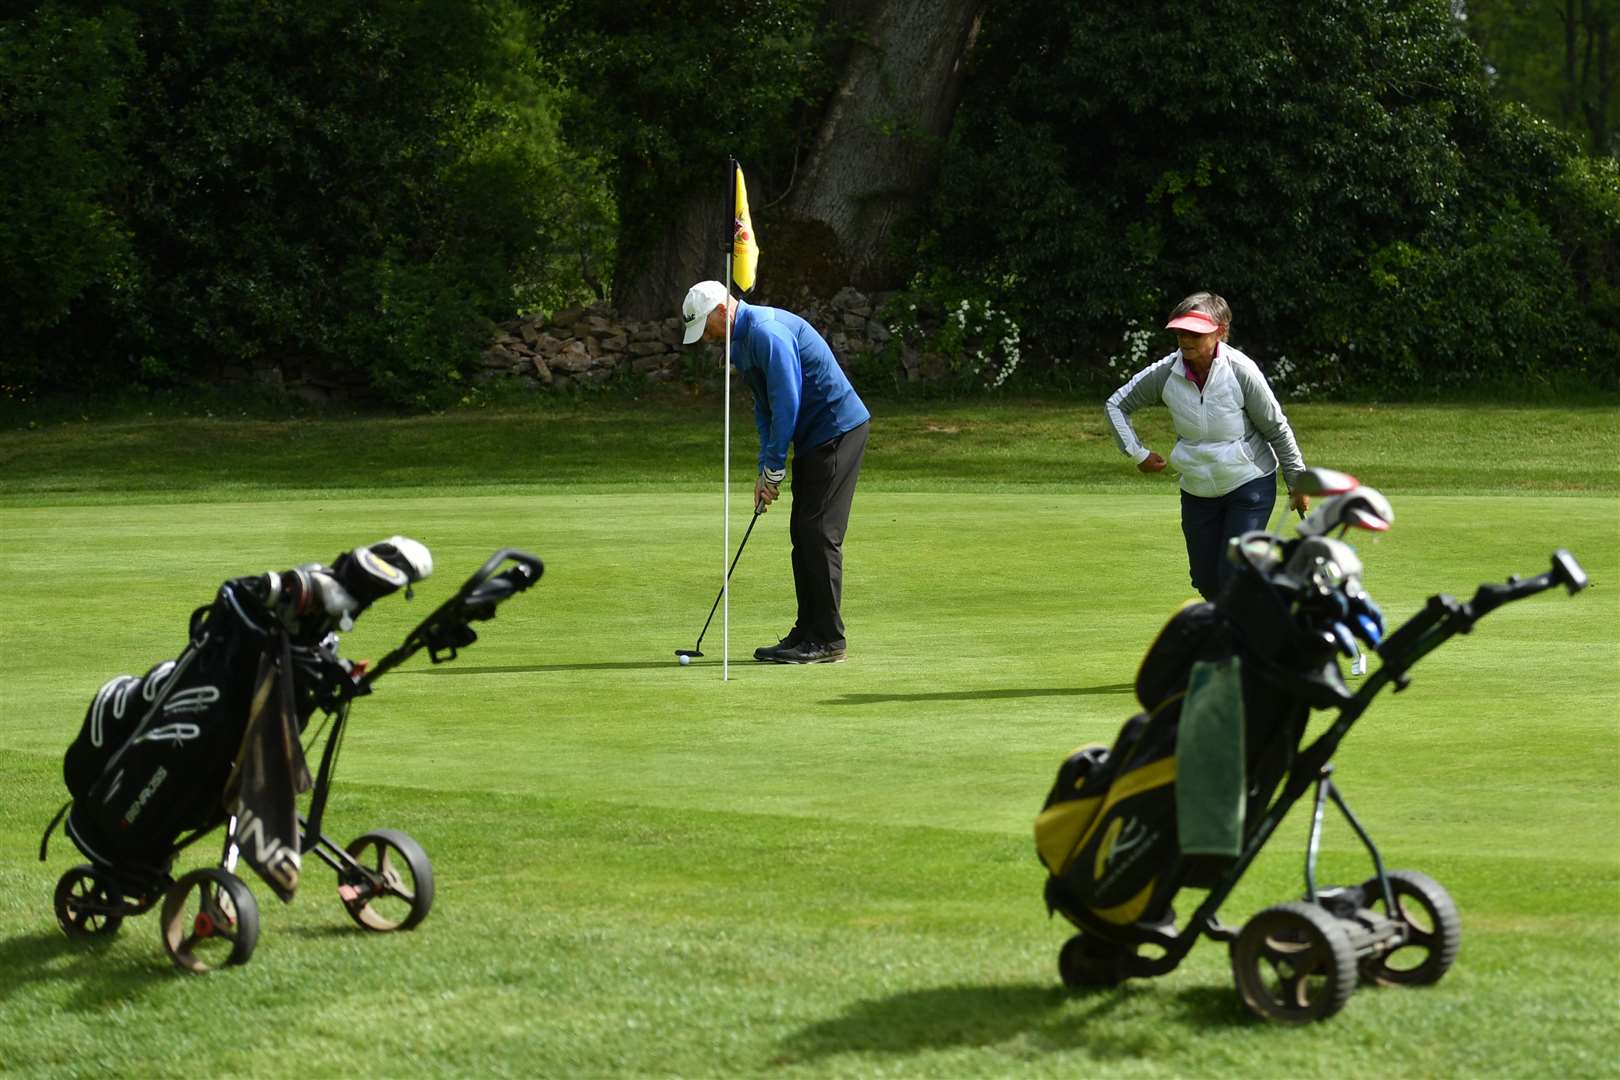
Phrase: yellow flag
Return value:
(744, 247)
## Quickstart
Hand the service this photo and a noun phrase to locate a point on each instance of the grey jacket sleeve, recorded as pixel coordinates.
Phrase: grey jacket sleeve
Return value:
(1266, 414)
(1145, 388)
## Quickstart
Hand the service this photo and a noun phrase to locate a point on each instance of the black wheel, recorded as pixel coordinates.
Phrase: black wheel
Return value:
(210, 920)
(1432, 926)
(1294, 963)
(1087, 962)
(86, 905)
(393, 888)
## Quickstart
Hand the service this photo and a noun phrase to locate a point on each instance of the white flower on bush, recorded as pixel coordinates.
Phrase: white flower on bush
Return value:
(1138, 340)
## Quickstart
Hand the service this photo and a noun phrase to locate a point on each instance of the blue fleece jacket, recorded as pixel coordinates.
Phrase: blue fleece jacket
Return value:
(801, 395)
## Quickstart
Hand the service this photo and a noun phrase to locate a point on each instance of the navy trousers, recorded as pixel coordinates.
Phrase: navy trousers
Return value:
(823, 491)
(1208, 524)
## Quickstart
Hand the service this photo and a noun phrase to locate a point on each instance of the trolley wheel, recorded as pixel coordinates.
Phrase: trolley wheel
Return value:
(1087, 962)
(1433, 931)
(210, 920)
(393, 887)
(86, 906)
(1294, 963)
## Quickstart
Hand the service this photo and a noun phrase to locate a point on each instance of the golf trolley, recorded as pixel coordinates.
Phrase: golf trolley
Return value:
(217, 736)
(1117, 832)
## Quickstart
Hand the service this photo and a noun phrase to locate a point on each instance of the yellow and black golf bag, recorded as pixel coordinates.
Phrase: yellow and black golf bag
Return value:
(1124, 827)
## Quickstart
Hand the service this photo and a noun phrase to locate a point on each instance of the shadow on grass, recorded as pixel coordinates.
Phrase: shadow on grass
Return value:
(983, 695)
(922, 1021)
(99, 981)
(518, 669)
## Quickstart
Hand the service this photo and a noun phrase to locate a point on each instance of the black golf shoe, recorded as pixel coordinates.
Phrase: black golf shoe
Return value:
(809, 652)
(768, 652)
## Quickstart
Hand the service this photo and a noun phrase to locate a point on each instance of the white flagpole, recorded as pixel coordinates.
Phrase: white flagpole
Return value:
(725, 472)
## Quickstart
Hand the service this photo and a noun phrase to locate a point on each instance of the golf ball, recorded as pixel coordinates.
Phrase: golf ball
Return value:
(685, 660)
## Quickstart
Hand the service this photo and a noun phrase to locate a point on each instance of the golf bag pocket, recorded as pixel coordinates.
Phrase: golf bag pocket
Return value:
(1108, 831)
(152, 756)
(108, 723)
(1069, 810)
(1196, 632)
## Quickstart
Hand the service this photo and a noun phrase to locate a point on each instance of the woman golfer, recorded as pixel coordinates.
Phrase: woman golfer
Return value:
(1230, 436)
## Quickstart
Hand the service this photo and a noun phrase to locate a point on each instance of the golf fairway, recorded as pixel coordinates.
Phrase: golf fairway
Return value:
(647, 869)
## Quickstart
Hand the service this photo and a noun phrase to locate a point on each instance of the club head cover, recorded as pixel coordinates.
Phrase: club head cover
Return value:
(372, 572)
(1363, 508)
(1320, 481)
(335, 601)
(409, 555)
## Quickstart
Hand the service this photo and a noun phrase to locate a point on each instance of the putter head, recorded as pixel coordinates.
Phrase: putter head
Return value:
(688, 652)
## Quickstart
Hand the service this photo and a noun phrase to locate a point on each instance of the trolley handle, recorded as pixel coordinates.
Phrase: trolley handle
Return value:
(448, 629)
(1565, 571)
(1444, 616)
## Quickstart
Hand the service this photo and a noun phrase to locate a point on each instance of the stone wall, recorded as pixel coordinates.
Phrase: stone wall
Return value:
(587, 346)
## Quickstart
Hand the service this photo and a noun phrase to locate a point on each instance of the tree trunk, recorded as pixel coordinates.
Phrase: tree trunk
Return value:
(871, 167)
(1598, 78)
(650, 282)
(878, 147)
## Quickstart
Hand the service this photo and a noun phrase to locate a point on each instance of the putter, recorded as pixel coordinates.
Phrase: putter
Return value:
(697, 650)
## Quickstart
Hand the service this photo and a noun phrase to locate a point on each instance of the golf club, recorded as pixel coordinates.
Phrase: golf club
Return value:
(696, 650)
(1316, 482)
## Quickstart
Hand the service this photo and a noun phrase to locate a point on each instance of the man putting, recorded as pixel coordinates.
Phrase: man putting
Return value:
(801, 396)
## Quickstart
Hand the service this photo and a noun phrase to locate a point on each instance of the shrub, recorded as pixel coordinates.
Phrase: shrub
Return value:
(1343, 179)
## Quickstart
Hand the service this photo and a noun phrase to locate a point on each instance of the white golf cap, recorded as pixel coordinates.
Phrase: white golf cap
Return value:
(701, 299)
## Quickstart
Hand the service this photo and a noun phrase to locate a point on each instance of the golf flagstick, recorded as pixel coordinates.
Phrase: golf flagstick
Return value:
(740, 244)
(725, 473)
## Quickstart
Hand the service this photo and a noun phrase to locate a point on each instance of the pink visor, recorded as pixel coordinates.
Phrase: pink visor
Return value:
(1194, 321)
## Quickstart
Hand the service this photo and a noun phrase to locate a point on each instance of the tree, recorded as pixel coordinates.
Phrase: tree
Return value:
(1560, 57)
(883, 131)
(1345, 180)
(666, 92)
(291, 186)
(839, 109)
(62, 160)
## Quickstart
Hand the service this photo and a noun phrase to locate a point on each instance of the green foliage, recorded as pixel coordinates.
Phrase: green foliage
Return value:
(62, 83)
(668, 91)
(343, 193)
(1559, 59)
(955, 334)
(1343, 179)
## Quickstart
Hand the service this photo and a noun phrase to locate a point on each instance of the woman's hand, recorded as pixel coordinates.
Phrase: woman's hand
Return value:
(1152, 463)
(1300, 503)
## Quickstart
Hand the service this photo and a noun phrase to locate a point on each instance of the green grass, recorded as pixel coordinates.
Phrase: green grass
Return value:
(644, 870)
(673, 442)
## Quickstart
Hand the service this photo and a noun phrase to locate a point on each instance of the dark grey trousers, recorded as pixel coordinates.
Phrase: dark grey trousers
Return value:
(823, 491)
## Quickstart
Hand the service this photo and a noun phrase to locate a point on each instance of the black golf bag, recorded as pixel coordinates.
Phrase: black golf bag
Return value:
(215, 736)
(216, 730)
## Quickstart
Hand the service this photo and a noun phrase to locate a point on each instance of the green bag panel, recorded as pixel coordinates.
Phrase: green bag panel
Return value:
(1211, 780)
